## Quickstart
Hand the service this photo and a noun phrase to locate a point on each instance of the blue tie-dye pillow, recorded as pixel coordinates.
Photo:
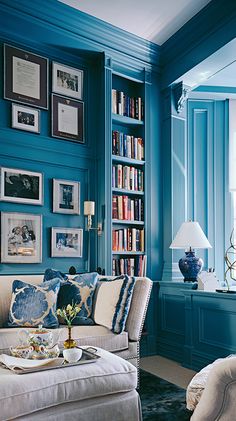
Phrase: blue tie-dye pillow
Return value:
(77, 289)
(53, 273)
(34, 305)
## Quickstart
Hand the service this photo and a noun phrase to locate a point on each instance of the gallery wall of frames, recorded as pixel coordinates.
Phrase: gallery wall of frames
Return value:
(47, 161)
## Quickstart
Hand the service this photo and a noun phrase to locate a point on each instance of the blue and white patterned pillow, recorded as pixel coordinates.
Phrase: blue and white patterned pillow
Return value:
(32, 305)
(113, 298)
(53, 273)
(77, 289)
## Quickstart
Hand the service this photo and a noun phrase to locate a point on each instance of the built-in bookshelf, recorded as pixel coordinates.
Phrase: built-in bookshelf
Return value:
(128, 177)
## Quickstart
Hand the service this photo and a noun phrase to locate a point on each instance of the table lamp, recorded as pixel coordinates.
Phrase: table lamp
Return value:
(189, 237)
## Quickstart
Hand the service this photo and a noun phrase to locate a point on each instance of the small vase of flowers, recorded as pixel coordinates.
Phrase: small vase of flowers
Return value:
(68, 314)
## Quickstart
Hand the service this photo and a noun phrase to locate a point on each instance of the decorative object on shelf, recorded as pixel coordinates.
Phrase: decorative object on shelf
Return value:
(190, 236)
(67, 118)
(66, 196)
(67, 242)
(89, 211)
(180, 94)
(21, 239)
(25, 77)
(21, 186)
(207, 280)
(68, 314)
(25, 118)
(67, 80)
(230, 264)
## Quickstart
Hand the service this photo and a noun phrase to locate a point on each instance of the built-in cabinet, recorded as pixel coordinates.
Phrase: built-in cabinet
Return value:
(195, 327)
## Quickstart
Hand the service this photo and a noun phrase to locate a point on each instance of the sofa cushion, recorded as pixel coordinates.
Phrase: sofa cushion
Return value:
(85, 335)
(26, 394)
(77, 289)
(32, 305)
(112, 302)
(54, 273)
(6, 282)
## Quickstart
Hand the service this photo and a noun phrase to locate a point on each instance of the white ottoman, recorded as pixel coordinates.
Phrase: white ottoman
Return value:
(99, 391)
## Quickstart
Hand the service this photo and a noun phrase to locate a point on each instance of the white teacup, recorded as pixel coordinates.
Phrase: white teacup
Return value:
(72, 355)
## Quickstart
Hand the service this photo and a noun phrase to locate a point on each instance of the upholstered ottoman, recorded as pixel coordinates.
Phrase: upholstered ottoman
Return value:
(100, 391)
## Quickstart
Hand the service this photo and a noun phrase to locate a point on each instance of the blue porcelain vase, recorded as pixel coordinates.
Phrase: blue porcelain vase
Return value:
(190, 266)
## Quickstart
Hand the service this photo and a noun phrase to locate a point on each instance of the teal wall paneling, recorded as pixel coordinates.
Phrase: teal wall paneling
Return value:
(174, 181)
(210, 333)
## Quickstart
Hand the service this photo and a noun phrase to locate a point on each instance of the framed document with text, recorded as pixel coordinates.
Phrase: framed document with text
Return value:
(67, 118)
(25, 77)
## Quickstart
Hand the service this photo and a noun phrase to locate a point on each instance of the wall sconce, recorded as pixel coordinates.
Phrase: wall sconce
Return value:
(89, 211)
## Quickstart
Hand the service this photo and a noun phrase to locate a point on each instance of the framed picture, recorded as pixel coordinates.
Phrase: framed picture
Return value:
(67, 81)
(21, 186)
(67, 242)
(66, 196)
(25, 77)
(67, 118)
(21, 239)
(25, 118)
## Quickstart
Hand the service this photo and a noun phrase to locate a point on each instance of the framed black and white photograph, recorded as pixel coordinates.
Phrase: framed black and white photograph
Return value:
(21, 239)
(25, 118)
(67, 242)
(67, 118)
(25, 77)
(67, 80)
(21, 186)
(66, 196)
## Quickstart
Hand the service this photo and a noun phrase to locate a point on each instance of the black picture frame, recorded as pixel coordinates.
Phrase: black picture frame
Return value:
(67, 118)
(25, 77)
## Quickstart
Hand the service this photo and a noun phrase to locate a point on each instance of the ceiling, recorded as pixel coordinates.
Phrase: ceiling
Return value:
(154, 20)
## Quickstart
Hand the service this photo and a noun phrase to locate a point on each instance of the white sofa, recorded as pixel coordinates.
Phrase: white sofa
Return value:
(211, 392)
(125, 345)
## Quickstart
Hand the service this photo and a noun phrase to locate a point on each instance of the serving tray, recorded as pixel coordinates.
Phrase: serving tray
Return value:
(88, 356)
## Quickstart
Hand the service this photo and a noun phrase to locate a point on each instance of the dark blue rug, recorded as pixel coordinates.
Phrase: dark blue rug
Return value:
(161, 400)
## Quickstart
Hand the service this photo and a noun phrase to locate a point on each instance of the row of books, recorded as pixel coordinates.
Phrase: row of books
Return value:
(127, 145)
(128, 178)
(127, 209)
(128, 239)
(125, 105)
(130, 266)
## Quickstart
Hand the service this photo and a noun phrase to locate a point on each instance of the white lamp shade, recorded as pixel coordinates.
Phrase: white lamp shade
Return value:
(89, 208)
(189, 235)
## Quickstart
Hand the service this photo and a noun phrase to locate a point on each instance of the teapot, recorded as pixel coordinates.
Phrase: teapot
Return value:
(38, 338)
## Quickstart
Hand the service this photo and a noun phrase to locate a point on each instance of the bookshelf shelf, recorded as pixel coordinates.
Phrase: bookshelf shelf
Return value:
(128, 253)
(125, 222)
(127, 192)
(128, 161)
(120, 119)
(123, 159)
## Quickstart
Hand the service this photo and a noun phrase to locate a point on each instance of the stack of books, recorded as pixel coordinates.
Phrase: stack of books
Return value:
(127, 145)
(128, 239)
(125, 105)
(127, 177)
(127, 209)
(130, 266)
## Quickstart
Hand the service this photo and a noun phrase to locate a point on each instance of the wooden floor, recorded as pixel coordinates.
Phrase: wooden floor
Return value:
(169, 370)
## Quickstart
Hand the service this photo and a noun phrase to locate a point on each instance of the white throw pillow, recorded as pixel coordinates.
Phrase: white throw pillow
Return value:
(112, 303)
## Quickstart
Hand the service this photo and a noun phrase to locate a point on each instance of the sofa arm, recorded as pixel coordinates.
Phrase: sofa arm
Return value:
(218, 401)
(138, 308)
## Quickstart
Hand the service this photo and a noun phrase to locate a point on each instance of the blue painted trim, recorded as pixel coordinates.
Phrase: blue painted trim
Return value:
(205, 33)
(215, 89)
